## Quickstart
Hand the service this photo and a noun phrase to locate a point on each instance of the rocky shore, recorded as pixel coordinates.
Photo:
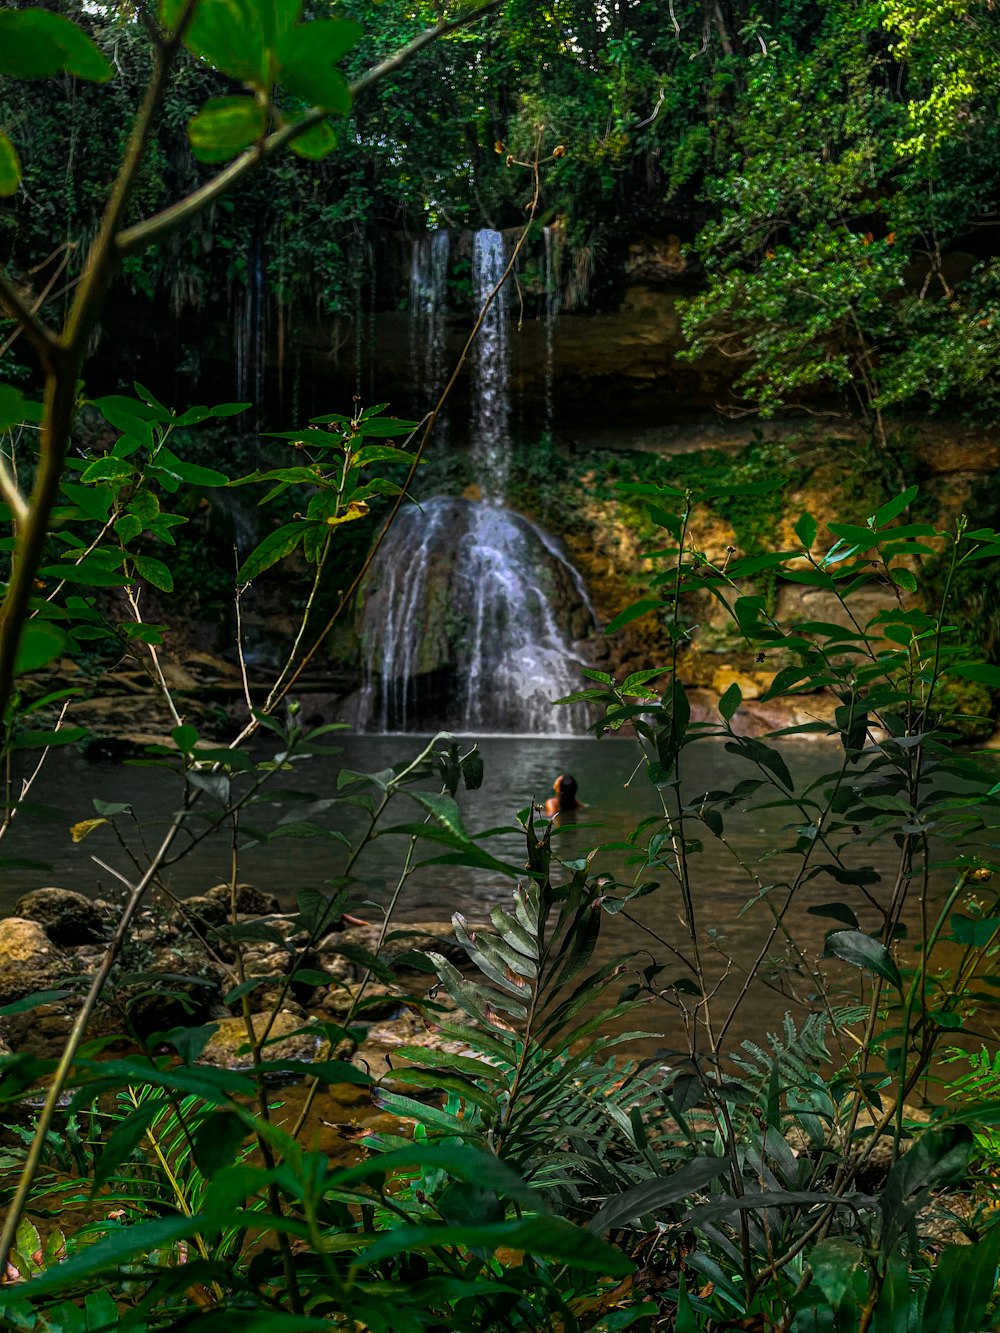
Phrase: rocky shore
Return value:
(220, 959)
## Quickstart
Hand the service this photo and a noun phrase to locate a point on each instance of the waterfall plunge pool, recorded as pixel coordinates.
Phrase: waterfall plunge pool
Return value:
(518, 770)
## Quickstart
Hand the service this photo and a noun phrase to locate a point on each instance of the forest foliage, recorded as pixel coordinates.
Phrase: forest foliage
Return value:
(539, 1180)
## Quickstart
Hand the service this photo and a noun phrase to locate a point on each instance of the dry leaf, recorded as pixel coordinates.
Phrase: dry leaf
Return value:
(86, 826)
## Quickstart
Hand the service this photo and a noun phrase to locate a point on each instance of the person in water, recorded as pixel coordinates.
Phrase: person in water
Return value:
(565, 799)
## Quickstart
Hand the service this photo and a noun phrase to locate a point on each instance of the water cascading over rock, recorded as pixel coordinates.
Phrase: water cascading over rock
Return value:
(491, 384)
(473, 615)
(428, 308)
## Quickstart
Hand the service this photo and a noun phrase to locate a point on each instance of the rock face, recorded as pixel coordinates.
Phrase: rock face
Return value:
(29, 961)
(68, 918)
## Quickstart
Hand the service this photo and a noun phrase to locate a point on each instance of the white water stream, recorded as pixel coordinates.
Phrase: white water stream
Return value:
(473, 614)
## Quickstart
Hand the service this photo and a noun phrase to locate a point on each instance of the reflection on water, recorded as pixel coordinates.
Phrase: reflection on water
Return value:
(735, 912)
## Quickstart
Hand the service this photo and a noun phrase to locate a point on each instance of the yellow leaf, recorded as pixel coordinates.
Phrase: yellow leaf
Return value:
(79, 831)
(356, 509)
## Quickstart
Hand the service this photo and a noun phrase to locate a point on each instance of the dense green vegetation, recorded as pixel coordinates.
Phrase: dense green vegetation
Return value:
(832, 159)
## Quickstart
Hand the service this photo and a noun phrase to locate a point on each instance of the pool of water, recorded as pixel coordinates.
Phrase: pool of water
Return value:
(734, 917)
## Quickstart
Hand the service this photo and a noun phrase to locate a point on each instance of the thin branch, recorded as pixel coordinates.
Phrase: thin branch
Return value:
(61, 1077)
(66, 249)
(144, 234)
(36, 330)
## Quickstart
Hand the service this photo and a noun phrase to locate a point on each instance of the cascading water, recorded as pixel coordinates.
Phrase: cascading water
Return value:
(491, 382)
(428, 308)
(473, 615)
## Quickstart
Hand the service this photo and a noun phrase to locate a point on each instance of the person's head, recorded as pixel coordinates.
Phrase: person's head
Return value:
(565, 788)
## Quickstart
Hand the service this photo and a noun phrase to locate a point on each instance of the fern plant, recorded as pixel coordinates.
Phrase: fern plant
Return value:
(538, 1082)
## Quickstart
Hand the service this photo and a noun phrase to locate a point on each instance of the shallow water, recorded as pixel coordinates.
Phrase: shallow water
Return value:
(519, 770)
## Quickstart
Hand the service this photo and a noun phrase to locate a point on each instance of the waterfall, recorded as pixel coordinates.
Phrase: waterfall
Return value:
(491, 370)
(472, 614)
(428, 308)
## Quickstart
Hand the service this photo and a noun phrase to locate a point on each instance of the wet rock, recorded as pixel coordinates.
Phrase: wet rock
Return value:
(376, 1001)
(42, 1031)
(181, 986)
(201, 913)
(752, 684)
(249, 901)
(405, 937)
(29, 961)
(228, 1046)
(67, 917)
(379, 1052)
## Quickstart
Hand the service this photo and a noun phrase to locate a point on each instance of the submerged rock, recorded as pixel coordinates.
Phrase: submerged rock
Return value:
(290, 1038)
(67, 917)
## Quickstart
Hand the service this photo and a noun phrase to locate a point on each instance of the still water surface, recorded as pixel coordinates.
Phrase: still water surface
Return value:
(518, 770)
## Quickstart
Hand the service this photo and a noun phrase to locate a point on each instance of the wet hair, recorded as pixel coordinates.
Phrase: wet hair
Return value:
(567, 792)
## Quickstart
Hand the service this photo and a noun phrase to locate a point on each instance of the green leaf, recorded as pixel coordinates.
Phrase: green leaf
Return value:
(154, 571)
(861, 950)
(306, 56)
(894, 507)
(974, 932)
(806, 529)
(652, 1196)
(232, 35)
(35, 44)
(185, 737)
(190, 472)
(730, 701)
(273, 548)
(41, 642)
(104, 1257)
(837, 912)
(225, 126)
(10, 167)
(840, 1272)
(978, 671)
(109, 468)
(631, 613)
(316, 143)
(962, 1286)
(550, 1237)
(217, 1141)
(15, 408)
(904, 579)
(444, 809)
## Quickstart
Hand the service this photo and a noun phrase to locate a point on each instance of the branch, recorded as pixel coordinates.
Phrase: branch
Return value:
(144, 234)
(36, 331)
(102, 259)
(12, 496)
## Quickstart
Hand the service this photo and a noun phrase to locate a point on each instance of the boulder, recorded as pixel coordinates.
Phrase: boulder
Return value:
(67, 917)
(249, 901)
(29, 961)
(377, 1001)
(296, 1041)
(202, 914)
(188, 993)
(419, 935)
